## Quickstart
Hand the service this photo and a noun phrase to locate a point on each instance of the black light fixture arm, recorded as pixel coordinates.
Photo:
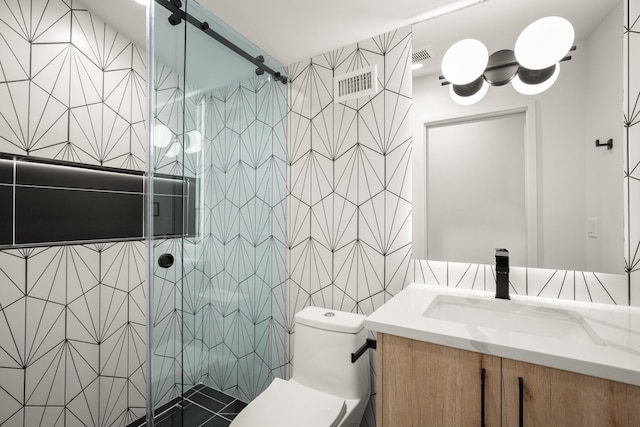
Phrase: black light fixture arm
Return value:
(503, 65)
(178, 15)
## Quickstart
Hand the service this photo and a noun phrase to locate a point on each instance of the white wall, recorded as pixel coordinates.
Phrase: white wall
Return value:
(476, 201)
(562, 153)
(604, 198)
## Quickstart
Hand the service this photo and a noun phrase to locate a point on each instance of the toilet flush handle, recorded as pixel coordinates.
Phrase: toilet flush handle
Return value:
(367, 345)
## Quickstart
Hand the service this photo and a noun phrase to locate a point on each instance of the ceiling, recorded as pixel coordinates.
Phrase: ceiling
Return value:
(288, 30)
(292, 30)
(126, 16)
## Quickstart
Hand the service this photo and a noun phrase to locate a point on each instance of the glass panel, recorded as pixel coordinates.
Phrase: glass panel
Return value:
(233, 341)
(217, 315)
(165, 211)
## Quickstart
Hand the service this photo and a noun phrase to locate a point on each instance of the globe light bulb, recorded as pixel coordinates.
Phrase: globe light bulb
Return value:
(161, 135)
(465, 61)
(528, 89)
(174, 150)
(469, 100)
(544, 42)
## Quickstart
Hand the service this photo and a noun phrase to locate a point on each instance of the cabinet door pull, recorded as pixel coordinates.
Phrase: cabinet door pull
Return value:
(521, 401)
(483, 374)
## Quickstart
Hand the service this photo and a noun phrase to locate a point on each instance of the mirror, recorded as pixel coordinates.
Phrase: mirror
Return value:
(572, 191)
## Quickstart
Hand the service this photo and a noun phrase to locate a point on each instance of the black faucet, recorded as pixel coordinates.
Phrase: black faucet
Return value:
(502, 274)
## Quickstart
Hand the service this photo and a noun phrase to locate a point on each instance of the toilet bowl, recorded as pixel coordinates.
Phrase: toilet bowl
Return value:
(325, 389)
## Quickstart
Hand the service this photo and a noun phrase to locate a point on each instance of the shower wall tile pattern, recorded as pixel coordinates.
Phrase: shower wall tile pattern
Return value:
(228, 308)
(349, 201)
(73, 334)
(72, 318)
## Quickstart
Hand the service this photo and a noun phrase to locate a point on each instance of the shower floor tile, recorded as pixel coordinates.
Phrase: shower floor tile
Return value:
(202, 407)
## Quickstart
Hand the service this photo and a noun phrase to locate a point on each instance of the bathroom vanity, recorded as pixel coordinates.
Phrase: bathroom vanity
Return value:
(457, 357)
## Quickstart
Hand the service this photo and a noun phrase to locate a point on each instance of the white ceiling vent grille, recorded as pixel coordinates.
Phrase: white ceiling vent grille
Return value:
(362, 82)
(421, 54)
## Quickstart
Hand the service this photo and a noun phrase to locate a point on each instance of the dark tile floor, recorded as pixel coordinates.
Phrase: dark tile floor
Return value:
(202, 406)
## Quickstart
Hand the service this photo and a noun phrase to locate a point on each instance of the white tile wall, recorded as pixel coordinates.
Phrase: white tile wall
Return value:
(72, 322)
(632, 183)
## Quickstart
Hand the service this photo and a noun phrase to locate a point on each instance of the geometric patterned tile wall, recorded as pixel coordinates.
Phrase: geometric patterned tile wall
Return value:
(247, 195)
(75, 86)
(349, 204)
(72, 341)
(72, 318)
(222, 321)
(165, 287)
(632, 159)
(349, 219)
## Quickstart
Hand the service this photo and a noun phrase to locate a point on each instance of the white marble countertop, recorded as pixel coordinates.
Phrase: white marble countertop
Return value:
(616, 358)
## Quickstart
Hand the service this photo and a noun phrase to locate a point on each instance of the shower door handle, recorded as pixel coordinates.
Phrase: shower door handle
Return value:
(165, 260)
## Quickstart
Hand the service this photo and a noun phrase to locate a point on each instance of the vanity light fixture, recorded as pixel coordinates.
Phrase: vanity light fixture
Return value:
(524, 88)
(465, 61)
(532, 67)
(174, 149)
(471, 99)
(544, 42)
(162, 135)
(194, 142)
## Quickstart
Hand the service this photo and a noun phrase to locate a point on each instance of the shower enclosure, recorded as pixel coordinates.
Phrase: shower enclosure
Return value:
(216, 211)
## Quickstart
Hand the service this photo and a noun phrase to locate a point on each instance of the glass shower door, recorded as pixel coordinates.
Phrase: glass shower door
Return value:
(167, 189)
(217, 166)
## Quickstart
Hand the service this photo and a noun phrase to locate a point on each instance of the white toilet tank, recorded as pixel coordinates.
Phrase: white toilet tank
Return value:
(324, 341)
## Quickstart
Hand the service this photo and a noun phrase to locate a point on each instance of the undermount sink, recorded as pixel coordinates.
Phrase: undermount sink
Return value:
(510, 316)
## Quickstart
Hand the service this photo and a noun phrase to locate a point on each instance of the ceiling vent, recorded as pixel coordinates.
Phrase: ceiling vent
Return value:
(422, 54)
(362, 82)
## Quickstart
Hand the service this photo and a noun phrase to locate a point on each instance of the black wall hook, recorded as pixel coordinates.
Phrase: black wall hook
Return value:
(608, 144)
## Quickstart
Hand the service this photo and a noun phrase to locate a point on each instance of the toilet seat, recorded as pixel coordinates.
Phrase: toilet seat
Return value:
(290, 404)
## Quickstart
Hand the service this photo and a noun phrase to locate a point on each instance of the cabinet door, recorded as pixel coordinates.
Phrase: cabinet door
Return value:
(553, 397)
(424, 385)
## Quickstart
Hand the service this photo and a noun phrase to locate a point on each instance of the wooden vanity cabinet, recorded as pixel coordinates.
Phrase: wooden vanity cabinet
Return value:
(423, 385)
(553, 397)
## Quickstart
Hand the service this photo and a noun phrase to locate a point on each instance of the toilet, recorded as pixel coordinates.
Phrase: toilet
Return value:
(325, 389)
